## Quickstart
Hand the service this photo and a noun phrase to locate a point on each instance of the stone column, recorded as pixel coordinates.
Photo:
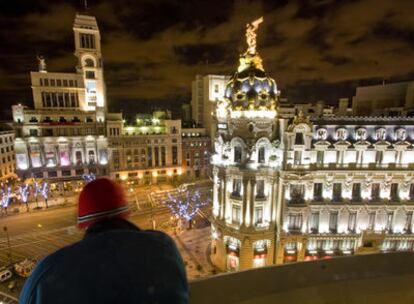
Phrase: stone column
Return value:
(272, 201)
(246, 203)
(224, 198)
(252, 196)
(280, 251)
(216, 189)
(301, 249)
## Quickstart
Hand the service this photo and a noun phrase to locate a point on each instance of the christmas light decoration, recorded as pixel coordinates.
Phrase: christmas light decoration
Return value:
(185, 205)
(89, 177)
(44, 190)
(24, 194)
(5, 197)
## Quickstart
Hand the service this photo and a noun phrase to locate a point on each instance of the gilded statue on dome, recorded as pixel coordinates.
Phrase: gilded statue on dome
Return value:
(251, 57)
(251, 35)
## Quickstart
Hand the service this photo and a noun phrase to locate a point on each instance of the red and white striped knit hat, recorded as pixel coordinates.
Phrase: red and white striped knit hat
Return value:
(101, 199)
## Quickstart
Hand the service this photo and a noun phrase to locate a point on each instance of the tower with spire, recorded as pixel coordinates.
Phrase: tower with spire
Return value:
(89, 54)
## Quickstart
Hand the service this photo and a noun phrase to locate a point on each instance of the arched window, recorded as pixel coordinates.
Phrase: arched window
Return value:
(341, 134)
(401, 134)
(89, 63)
(361, 134)
(237, 154)
(321, 134)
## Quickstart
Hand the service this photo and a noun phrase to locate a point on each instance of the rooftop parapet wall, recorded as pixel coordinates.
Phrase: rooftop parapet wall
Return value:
(378, 278)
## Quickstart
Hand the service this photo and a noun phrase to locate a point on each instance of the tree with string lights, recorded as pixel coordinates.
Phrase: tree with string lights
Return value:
(89, 177)
(24, 194)
(185, 205)
(6, 195)
(44, 190)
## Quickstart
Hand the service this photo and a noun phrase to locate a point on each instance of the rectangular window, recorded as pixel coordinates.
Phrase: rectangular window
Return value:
(87, 41)
(320, 157)
(299, 139)
(294, 222)
(371, 220)
(379, 157)
(149, 156)
(411, 193)
(236, 187)
(67, 101)
(352, 222)
(33, 132)
(390, 217)
(236, 214)
(337, 192)
(317, 191)
(157, 156)
(258, 215)
(237, 154)
(333, 222)
(60, 100)
(356, 192)
(58, 82)
(408, 222)
(260, 189)
(46, 82)
(314, 222)
(297, 157)
(297, 192)
(261, 155)
(394, 192)
(375, 191)
(90, 75)
(174, 155)
(163, 162)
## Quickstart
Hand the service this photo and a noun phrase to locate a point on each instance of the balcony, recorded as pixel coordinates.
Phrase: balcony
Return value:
(236, 196)
(348, 166)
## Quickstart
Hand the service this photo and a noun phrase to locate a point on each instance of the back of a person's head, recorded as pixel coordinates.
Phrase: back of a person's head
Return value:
(100, 200)
(116, 262)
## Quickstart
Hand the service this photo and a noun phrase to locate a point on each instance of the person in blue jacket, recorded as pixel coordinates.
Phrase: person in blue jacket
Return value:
(115, 262)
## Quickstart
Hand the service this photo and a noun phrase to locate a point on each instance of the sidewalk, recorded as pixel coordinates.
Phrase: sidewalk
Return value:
(194, 246)
(55, 202)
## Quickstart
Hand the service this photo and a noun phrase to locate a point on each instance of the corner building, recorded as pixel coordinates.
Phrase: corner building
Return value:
(296, 189)
(247, 162)
(64, 136)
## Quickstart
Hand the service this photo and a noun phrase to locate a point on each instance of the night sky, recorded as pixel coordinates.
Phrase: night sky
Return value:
(315, 50)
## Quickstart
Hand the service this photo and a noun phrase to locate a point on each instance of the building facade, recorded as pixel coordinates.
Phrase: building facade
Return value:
(391, 99)
(205, 92)
(148, 151)
(196, 153)
(64, 136)
(7, 155)
(304, 188)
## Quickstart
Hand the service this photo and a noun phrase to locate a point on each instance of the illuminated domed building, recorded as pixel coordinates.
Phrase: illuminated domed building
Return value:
(247, 161)
(293, 189)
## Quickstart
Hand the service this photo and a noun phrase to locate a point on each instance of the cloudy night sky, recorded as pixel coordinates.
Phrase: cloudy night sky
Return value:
(315, 50)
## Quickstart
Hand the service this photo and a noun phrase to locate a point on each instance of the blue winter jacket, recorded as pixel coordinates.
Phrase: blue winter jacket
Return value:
(114, 263)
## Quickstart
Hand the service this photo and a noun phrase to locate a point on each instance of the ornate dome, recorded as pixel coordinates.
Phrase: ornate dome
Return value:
(251, 89)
